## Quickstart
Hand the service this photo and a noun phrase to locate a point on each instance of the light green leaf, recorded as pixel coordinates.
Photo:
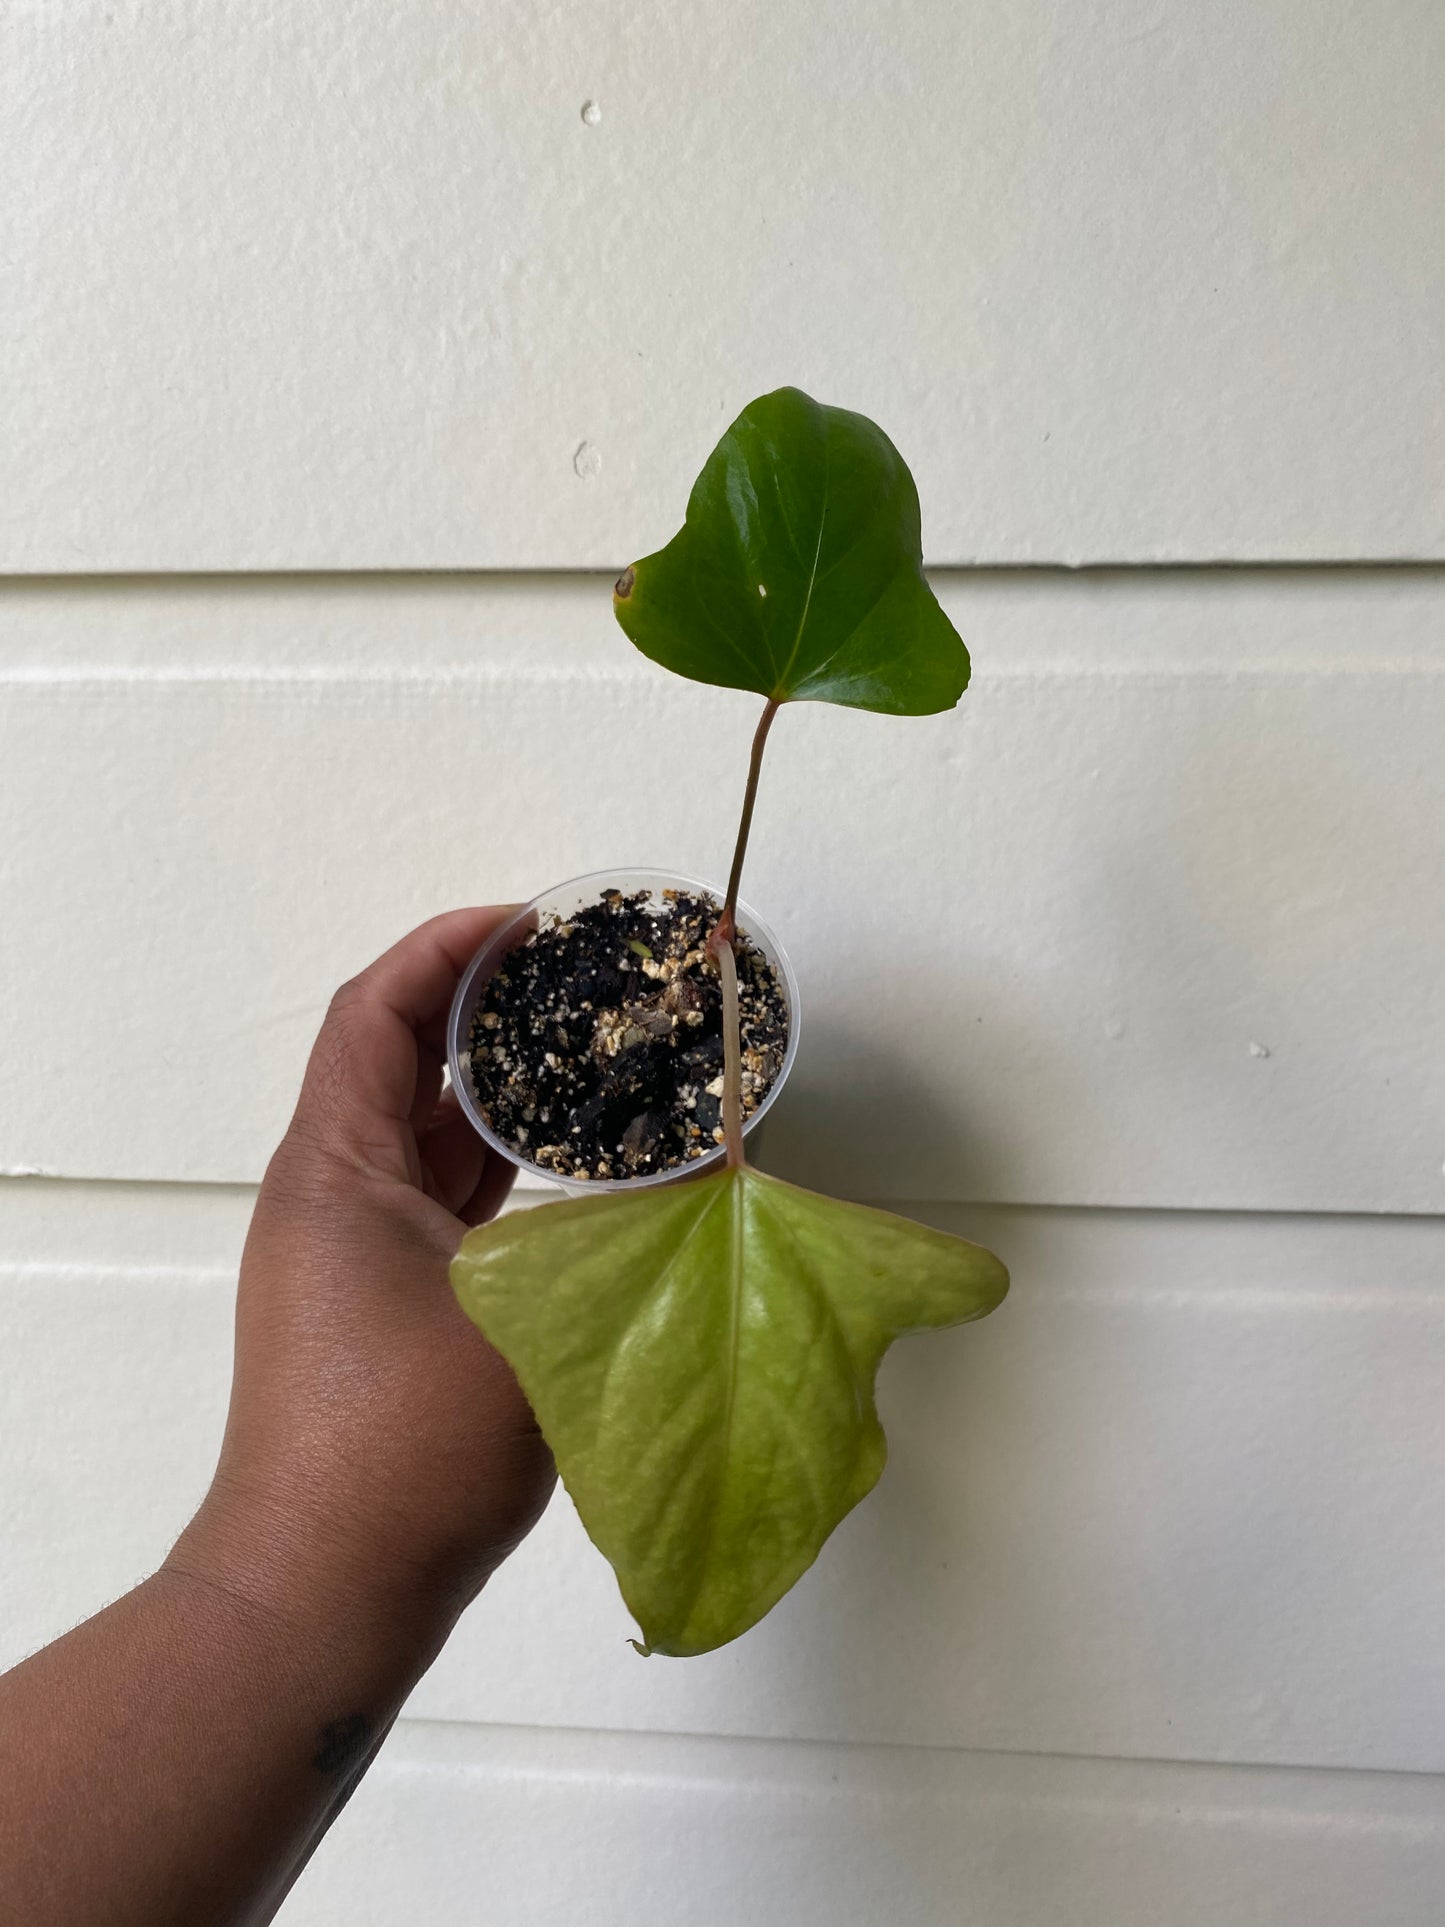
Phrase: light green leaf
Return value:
(798, 572)
(701, 1359)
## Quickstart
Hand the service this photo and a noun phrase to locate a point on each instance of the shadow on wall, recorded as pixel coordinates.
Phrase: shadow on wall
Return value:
(848, 1105)
(909, 1621)
(909, 1628)
(978, 1596)
(858, 1122)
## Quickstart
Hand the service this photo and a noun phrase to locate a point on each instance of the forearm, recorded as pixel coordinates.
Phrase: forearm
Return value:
(172, 1762)
(175, 1759)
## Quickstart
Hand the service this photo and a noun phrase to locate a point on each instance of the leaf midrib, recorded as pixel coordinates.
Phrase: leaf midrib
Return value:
(780, 689)
(738, 1182)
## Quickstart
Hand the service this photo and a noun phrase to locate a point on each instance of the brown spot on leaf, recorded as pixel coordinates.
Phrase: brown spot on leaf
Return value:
(624, 584)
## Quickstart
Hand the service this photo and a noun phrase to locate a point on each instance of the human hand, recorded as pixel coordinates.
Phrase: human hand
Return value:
(374, 1440)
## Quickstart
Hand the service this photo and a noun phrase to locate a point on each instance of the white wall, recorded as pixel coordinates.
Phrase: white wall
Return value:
(1143, 1623)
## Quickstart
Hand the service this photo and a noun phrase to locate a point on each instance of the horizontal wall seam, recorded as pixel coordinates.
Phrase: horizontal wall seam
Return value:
(1393, 565)
(140, 676)
(724, 1741)
(190, 1192)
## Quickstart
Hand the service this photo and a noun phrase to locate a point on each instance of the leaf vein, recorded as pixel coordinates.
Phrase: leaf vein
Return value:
(653, 1292)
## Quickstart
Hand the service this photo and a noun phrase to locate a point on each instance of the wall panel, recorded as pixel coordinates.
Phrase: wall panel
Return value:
(1154, 919)
(358, 286)
(543, 1830)
(1181, 1497)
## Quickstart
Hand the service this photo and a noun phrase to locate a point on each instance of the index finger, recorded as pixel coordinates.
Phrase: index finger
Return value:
(361, 1080)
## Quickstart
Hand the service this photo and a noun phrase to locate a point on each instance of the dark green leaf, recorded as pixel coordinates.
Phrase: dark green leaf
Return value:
(799, 570)
(701, 1359)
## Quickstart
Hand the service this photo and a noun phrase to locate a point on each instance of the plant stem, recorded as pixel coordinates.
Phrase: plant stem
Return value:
(721, 942)
(732, 1098)
(727, 923)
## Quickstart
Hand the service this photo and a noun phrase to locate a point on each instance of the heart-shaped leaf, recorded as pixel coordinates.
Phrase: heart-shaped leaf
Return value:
(701, 1359)
(798, 572)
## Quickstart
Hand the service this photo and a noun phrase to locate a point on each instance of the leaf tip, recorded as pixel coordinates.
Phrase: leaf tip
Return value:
(643, 1652)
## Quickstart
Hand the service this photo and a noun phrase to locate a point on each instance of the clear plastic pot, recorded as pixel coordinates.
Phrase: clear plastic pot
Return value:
(559, 903)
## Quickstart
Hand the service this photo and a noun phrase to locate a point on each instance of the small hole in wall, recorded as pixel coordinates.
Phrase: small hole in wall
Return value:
(591, 113)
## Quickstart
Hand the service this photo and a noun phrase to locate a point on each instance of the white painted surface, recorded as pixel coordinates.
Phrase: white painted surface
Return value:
(358, 286)
(1169, 880)
(1182, 1497)
(1142, 1628)
(547, 1830)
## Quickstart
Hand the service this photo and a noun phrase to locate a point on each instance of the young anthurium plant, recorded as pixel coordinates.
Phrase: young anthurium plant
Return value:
(701, 1356)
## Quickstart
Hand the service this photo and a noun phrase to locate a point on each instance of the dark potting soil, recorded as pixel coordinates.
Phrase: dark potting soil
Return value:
(597, 1048)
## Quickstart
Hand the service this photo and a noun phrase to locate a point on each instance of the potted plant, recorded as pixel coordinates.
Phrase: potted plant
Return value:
(701, 1354)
